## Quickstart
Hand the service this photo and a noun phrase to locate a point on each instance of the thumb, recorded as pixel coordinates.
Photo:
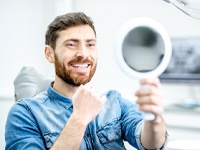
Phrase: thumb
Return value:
(103, 99)
(77, 91)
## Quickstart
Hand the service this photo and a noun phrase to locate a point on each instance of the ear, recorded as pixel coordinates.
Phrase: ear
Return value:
(49, 53)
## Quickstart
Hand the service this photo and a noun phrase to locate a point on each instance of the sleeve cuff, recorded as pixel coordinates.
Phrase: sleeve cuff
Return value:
(138, 137)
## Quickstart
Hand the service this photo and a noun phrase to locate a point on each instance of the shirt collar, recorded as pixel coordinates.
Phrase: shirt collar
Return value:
(61, 99)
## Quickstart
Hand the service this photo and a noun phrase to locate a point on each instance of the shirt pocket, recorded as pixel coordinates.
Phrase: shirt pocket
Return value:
(50, 139)
(110, 132)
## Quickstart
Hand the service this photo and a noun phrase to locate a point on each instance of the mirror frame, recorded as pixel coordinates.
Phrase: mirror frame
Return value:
(155, 26)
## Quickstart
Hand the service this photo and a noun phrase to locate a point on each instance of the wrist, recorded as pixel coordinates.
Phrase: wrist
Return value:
(78, 120)
(158, 119)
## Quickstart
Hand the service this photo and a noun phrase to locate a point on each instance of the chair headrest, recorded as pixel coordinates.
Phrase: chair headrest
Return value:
(29, 82)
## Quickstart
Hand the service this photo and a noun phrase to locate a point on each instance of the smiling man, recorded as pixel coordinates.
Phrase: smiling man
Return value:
(72, 114)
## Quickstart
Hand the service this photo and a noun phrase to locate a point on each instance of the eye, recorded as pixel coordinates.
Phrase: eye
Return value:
(92, 44)
(70, 44)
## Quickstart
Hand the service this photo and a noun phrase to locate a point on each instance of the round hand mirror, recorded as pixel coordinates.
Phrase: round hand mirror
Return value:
(143, 50)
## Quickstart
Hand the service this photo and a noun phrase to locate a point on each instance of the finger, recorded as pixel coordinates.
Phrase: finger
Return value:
(149, 100)
(88, 85)
(103, 98)
(77, 91)
(152, 81)
(158, 110)
(97, 93)
(150, 90)
(94, 90)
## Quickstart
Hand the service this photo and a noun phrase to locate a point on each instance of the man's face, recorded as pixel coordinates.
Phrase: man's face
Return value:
(76, 55)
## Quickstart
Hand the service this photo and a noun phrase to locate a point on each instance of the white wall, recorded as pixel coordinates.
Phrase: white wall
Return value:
(23, 26)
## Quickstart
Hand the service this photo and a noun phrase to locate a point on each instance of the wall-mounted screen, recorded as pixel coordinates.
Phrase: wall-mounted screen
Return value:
(184, 65)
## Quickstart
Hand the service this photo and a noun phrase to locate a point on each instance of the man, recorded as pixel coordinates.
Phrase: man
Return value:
(72, 114)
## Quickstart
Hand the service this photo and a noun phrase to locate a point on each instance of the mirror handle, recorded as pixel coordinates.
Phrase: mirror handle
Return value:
(147, 116)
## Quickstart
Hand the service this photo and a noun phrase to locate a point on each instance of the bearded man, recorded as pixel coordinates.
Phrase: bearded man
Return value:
(72, 114)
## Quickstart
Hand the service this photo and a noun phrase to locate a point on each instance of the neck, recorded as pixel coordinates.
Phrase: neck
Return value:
(63, 88)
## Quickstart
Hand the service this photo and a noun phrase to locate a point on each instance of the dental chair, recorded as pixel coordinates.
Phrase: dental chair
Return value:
(29, 82)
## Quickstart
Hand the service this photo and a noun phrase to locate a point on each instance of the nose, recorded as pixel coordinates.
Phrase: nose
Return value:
(82, 52)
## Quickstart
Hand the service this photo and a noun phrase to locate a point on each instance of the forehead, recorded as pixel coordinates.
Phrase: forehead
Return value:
(77, 32)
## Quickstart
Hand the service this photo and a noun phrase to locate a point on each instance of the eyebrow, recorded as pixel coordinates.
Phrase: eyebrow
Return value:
(91, 40)
(77, 40)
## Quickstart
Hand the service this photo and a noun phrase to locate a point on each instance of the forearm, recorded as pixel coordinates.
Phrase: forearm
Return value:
(154, 133)
(71, 136)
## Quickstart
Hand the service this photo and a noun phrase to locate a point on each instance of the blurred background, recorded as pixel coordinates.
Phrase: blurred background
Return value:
(23, 25)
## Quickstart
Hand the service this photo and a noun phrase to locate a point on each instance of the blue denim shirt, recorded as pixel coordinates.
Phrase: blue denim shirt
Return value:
(35, 123)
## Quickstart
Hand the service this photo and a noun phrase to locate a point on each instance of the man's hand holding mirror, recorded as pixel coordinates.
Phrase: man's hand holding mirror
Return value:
(143, 52)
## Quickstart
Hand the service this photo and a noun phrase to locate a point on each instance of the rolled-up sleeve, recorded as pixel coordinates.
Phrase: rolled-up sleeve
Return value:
(138, 137)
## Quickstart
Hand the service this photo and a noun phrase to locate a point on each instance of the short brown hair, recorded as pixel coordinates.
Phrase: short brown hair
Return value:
(63, 22)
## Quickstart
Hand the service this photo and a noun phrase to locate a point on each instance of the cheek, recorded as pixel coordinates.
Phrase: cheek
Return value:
(95, 56)
(59, 59)
(64, 58)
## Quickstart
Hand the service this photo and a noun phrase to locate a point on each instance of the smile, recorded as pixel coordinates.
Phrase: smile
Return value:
(81, 65)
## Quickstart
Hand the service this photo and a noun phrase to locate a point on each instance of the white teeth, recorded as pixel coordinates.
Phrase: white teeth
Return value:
(81, 65)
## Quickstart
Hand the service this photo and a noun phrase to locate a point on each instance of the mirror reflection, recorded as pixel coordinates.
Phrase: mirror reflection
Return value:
(143, 49)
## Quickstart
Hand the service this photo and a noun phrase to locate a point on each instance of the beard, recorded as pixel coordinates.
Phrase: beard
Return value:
(67, 75)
